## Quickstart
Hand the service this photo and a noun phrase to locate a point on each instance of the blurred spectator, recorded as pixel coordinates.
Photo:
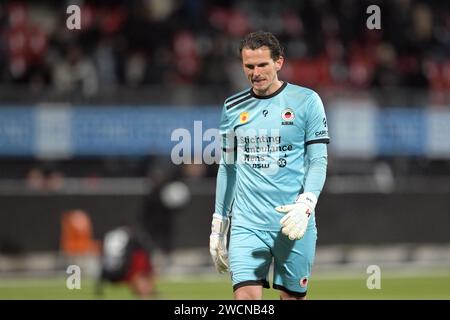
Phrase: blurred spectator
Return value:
(386, 80)
(35, 179)
(75, 72)
(126, 259)
(105, 63)
(168, 195)
(135, 69)
(77, 235)
(190, 43)
(27, 46)
(416, 82)
(45, 178)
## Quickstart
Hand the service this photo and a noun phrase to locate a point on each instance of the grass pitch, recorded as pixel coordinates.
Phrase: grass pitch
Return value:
(219, 288)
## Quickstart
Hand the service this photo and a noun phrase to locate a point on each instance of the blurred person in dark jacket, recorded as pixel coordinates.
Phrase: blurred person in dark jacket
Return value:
(169, 193)
(126, 259)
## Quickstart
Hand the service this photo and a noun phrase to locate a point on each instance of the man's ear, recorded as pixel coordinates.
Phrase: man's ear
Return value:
(279, 63)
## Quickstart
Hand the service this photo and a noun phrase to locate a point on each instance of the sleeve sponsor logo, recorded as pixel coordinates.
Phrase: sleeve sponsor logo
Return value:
(321, 133)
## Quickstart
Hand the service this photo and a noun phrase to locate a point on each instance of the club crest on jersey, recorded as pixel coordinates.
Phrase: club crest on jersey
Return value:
(288, 116)
(243, 117)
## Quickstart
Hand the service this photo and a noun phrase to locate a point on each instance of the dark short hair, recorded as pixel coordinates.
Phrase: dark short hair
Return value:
(259, 39)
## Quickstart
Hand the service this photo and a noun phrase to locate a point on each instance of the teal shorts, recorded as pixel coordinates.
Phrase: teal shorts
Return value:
(251, 253)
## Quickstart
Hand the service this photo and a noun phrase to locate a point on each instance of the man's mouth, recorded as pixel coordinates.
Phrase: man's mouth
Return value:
(257, 80)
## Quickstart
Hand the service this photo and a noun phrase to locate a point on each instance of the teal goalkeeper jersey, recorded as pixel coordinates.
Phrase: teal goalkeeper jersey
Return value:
(264, 144)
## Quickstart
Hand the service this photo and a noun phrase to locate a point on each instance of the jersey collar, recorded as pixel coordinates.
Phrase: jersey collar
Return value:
(270, 95)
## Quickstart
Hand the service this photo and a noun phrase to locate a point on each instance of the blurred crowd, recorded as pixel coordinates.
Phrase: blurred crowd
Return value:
(194, 42)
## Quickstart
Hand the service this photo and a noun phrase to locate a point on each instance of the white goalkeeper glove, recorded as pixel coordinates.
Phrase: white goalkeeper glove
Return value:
(295, 222)
(218, 242)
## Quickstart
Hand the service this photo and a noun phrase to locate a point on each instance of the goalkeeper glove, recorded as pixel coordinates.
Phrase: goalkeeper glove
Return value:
(295, 222)
(218, 242)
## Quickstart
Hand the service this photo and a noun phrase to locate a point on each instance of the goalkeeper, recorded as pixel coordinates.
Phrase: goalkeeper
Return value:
(272, 170)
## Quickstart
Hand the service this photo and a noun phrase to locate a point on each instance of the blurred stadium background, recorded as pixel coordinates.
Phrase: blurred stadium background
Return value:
(86, 118)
